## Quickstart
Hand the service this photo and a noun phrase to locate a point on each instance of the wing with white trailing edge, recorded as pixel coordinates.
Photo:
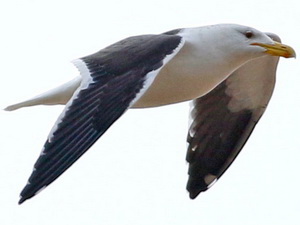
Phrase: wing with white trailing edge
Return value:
(113, 79)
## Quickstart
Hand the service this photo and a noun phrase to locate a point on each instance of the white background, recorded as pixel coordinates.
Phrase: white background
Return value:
(136, 174)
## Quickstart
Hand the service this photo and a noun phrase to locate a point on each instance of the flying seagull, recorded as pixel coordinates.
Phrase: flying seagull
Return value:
(227, 70)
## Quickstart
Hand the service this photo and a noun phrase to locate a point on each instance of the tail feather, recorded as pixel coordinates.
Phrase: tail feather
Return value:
(56, 96)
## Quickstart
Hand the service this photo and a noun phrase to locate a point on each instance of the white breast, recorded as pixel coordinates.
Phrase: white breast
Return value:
(190, 74)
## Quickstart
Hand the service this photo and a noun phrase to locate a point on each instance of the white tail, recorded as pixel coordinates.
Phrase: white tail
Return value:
(56, 96)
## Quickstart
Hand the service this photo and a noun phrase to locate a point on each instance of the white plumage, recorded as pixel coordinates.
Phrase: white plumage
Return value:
(227, 70)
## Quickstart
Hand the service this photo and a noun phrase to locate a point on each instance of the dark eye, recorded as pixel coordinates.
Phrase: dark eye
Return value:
(249, 34)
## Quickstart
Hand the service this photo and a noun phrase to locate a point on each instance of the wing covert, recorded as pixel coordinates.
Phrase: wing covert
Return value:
(222, 121)
(113, 79)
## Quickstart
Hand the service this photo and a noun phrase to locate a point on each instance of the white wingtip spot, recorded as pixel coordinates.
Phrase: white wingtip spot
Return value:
(194, 148)
(210, 179)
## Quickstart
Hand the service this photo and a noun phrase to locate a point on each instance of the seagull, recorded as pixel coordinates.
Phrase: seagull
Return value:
(226, 70)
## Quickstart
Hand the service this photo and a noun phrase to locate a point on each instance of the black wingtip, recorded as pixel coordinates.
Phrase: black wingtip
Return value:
(24, 197)
(28, 192)
(194, 194)
(195, 186)
(22, 200)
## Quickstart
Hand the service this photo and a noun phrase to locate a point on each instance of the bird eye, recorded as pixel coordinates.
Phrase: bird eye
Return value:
(249, 34)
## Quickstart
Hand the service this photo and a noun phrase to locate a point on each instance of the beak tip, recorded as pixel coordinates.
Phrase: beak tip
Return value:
(278, 49)
(292, 54)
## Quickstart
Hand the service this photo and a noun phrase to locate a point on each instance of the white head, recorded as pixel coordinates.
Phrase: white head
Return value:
(237, 41)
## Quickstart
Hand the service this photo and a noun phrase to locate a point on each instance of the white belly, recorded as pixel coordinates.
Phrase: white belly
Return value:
(170, 88)
(184, 79)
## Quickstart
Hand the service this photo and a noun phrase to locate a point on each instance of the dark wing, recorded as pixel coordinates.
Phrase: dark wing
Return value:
(223, 120)
(113, 79)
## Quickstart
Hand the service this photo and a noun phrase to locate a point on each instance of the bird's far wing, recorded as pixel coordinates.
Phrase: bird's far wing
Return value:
(113, 79)
(222, 120)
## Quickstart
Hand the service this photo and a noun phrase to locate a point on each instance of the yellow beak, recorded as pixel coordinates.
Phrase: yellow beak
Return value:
(278, 49)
